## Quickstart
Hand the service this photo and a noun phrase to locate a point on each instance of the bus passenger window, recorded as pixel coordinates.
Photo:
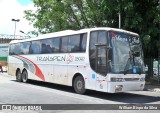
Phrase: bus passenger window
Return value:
(16, 49)
(74, 42)
(46, 46)
(35, 47)
(77, 43)
(56, 42)
(25, 47)
(83, 42)
(64, 44)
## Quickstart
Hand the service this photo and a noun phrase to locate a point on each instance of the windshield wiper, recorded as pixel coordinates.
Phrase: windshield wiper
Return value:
(125, 71)
(131, 60)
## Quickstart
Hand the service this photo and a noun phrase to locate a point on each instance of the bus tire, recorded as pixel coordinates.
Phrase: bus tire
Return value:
(79, 85)
(18, 76)
(24, 76)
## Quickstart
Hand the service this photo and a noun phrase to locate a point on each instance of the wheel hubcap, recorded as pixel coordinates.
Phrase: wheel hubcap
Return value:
(79, 85)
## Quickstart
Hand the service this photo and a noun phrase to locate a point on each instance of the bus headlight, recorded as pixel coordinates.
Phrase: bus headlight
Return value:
(118, 88)
(113, 79)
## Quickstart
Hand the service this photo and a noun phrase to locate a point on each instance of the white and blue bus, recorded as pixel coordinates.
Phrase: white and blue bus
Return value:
(102, 59)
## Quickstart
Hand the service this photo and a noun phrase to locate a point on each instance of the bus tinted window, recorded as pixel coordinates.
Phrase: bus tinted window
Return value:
(64, 44)
(35, 47)
(83, 40)
(25, 47)
(74, 43)
(46, 46)
(10, 50)
(102, 37)
(56, 42)
(77, 43)
(92, 49)
(16, 49)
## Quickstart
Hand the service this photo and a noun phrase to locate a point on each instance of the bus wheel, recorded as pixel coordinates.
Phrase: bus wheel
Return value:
(24, 76)
(79, 85)
(18, 76)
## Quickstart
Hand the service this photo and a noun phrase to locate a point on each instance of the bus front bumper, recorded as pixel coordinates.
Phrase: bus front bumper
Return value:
(114, 87)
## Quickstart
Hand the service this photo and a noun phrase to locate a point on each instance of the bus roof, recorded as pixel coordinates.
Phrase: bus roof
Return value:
(72, 32)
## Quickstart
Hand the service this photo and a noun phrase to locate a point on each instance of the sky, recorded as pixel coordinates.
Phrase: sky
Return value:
(14, 9)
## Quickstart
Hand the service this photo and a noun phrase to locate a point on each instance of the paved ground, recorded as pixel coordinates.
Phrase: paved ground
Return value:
(152, 88)
(12, 92)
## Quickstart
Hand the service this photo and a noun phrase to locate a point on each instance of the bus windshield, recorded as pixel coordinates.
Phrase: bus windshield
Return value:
(126, 53)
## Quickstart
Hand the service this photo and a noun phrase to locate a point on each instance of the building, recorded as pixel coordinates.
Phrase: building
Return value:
(3, 55)
(4, 43)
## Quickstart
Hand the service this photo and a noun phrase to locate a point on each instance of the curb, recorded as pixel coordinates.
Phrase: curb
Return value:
(152, 90)
(156, 90)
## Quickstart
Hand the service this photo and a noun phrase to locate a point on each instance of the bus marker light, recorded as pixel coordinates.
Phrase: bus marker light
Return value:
(141, 85)
(93, 76)
(134, 70)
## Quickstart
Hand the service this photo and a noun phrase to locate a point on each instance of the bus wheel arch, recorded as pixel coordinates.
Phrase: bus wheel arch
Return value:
(18, 75)
(78, 83)
(24, 75)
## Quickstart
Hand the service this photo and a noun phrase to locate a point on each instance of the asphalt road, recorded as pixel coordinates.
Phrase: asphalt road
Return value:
(34, 92)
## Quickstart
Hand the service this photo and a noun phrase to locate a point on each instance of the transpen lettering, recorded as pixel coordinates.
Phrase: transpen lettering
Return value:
(51, 58)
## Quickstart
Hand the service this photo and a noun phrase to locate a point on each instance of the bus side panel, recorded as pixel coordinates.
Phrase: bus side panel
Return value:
(76, 65)
(75, 69)
(33, 68)
(31, 75)
(53, 68)
(60, 73)
(13, 65)
(15, 62)
(48, 72)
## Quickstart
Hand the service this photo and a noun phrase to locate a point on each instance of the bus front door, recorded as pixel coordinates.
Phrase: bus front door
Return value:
(101, 67)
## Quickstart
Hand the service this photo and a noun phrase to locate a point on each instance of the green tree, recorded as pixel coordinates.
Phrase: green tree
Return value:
(57, 15)
(143, 17)
(140, 16)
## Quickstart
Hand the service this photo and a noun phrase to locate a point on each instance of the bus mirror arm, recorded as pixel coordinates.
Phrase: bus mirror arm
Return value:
(109, 65)
(108, 47)
(101, 44)
(108, 61)
(105, 44)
